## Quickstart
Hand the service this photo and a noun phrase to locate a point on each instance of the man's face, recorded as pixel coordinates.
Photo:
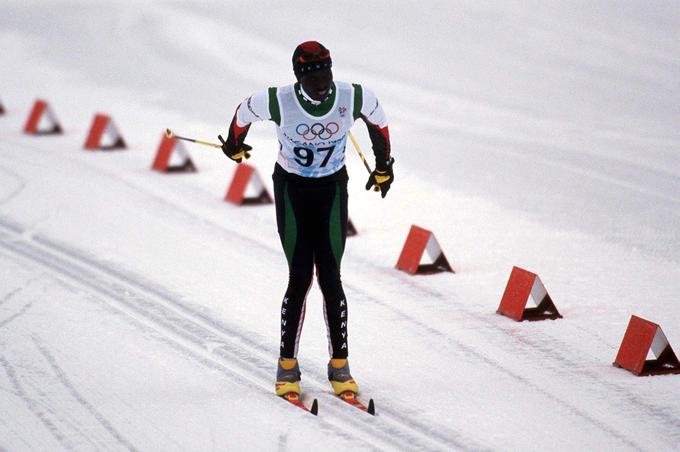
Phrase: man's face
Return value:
(318, 83)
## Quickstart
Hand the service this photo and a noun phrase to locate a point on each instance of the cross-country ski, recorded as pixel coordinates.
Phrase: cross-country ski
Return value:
(351, 398)
(294, 399)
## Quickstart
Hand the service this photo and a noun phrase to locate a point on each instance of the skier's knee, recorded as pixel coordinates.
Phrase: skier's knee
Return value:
(300, 279)
(329, 281)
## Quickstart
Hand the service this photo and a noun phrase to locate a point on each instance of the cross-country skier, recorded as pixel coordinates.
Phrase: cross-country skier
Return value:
(313, 117)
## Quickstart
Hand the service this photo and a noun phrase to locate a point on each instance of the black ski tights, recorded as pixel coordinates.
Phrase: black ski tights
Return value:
(311, 215)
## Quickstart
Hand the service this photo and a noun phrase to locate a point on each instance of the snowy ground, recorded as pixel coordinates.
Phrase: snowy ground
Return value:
(138, 310)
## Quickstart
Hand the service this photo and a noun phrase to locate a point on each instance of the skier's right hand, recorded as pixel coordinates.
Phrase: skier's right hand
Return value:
(235, 152)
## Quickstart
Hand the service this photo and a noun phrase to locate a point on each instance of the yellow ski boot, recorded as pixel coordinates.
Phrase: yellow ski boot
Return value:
(287, 377)
(340, 378)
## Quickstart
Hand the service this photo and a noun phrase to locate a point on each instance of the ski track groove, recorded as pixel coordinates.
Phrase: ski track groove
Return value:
(79, 398)
(64, 417)
(16, 315)
(10, 295)
(33, 405)
(166, 314)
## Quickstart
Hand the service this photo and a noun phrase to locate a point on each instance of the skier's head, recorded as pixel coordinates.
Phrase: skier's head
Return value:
(312, 67)
(310, 56)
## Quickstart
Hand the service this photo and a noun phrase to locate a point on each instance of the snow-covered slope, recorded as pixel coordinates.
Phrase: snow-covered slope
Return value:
(138, 310)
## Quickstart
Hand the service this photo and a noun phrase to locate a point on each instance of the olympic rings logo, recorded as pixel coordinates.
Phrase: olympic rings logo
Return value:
(317, 130)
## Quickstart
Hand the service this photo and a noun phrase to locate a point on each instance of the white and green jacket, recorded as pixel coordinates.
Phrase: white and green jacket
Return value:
(313, 135)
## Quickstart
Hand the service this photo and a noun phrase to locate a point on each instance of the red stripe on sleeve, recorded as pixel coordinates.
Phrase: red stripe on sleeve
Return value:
(238, 131)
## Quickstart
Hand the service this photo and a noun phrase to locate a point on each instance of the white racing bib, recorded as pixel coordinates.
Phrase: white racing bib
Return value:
(311, 146)
(314, 146)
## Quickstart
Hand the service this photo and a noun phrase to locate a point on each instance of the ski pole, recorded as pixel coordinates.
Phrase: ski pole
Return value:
(170, 134)
(363, 159)
(361, 154)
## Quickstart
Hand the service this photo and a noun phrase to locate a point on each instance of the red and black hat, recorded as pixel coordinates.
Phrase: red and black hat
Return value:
(310, 56)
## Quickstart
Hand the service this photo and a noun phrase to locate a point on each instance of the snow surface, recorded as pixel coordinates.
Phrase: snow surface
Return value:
(138, 310)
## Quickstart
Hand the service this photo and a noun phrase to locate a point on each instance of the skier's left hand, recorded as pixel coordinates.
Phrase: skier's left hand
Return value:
(382, 178)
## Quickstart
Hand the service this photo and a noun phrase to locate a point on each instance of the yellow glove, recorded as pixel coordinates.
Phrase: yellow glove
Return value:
(235, 152)
(382, 180)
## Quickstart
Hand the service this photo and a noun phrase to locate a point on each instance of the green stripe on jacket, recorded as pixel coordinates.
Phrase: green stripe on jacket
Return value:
(274, 111)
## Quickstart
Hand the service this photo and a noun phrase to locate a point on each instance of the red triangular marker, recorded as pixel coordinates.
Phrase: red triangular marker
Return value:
(247, 180)
(351, 230)
(172, 157)
(42, 120)
(643, 336)
(104, 134)
(417, 242)
(521, 286)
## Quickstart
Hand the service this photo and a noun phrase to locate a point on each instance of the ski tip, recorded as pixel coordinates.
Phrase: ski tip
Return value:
(315, 408)
(371, 408)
